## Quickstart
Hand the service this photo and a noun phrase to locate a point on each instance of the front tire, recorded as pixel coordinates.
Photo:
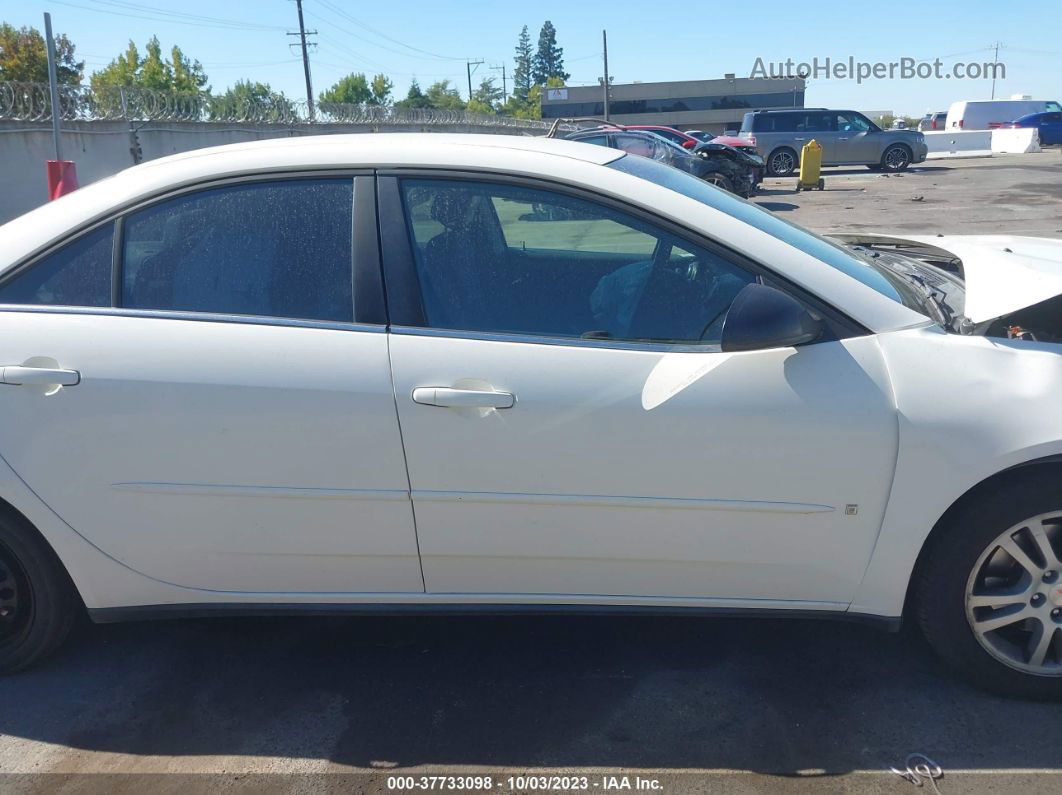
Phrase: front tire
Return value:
(37, 600)
(896, 158)
(988, 590)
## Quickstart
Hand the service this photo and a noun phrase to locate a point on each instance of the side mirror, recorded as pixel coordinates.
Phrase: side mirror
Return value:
(763, 317)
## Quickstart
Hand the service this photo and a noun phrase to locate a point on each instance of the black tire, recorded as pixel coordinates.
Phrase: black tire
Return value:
(783, 162)
(940, 581)
(720, 180)
(896, 157)
(36, 597)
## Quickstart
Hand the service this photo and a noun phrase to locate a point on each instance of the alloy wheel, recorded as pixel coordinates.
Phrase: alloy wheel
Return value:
(1014, 596)
(782, 163)
(896, 158)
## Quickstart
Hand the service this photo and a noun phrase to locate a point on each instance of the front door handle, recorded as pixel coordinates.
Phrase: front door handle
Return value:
(462, 398)
(41, 376)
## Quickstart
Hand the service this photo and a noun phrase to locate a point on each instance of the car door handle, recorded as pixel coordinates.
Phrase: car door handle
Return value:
(18, 376)
(798, 139)
(462, 398)
(842, 138)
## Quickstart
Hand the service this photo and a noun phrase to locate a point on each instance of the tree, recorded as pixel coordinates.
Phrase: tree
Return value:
(24, 57)
(444, 97)
(179, 73)
(247, 100)
(549, 59)
(381, 90)
(415, 98)
(350, 90)
(522, 72)
(485, 99)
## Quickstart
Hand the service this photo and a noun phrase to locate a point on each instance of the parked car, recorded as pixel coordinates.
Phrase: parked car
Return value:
(1048, 124)
(846, 137)
(719, 169)
(933, 121)
(745, 145)
(685, 140)
(899, 124)
(210, 404)
(743, 156)
(990, 114)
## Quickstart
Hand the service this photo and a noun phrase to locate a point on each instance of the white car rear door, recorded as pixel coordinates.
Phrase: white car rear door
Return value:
(231, 427)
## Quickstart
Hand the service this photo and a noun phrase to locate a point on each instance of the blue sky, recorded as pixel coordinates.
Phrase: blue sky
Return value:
(647, 41)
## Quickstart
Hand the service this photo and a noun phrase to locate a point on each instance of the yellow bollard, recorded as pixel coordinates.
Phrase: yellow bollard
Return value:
(811, 167)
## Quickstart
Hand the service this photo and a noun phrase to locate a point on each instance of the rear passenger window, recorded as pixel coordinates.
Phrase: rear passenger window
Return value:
(274, 249)
(78, 274)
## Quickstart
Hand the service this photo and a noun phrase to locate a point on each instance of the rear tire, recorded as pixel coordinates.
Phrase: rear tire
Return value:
(719, 180)
(38, 603)
(782, 162)
(964, 566)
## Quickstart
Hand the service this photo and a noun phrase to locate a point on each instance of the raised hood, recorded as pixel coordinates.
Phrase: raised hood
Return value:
(1003, 273)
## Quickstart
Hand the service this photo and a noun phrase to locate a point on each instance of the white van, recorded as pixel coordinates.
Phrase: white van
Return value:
(993, 113)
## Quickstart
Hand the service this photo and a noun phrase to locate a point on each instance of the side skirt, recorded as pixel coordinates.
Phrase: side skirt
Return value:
(112, 615)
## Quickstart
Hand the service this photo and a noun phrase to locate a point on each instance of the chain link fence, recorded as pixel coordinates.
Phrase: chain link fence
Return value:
(32, 102)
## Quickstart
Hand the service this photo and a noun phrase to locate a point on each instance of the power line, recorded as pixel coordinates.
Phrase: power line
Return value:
(339, 11)
(160, 15)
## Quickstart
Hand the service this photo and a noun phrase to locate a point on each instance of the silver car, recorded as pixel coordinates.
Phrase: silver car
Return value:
(846, 136)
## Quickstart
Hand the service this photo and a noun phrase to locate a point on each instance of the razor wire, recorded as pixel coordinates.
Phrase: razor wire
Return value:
(31, 102)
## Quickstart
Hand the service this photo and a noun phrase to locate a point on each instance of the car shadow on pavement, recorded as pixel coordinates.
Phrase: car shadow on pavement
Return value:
(763, 695)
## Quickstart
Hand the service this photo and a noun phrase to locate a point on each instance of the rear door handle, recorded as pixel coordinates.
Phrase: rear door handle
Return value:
(462, 398)
(42, 376)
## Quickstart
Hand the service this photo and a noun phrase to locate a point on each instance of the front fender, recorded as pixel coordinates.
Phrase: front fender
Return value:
(968, 408)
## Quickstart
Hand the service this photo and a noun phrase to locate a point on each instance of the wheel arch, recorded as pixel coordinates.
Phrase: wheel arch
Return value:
(1047, 466)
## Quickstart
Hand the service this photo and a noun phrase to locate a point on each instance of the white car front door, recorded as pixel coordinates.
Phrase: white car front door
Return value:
(222, 423)
(571, 426)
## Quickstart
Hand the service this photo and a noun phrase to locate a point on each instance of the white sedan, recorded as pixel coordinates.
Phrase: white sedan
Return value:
(351, 373)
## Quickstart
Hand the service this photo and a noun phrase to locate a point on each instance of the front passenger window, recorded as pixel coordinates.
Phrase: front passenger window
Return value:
(507, 259)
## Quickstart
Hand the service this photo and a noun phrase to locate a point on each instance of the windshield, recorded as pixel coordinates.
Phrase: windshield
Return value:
(848, 261)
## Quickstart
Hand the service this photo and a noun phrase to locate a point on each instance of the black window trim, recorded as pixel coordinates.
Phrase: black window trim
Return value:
(368, 297)
(406, 309)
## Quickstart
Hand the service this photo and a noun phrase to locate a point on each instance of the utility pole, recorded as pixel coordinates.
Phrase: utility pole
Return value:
(505, 92)
(605, 82)
(53, 86)
(302, 34)
(995, 60)
(470, 70)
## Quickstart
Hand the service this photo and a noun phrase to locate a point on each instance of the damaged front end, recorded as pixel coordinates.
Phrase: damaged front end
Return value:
(1002, 286)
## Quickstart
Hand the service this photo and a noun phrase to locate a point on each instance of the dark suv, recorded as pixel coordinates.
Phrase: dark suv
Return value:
(846, 137)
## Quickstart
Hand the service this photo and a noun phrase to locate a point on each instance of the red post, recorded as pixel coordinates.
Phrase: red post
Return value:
(62, 178)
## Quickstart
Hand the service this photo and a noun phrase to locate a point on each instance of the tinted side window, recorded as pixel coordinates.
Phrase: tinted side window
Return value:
(277, 249)
(78, 274)
(509, 259)
(818, 122)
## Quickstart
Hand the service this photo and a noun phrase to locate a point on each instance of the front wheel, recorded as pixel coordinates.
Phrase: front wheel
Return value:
(37, 600)
(896, 158)
(988, 590)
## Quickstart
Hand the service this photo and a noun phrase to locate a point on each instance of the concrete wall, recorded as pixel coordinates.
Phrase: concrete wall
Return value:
(102, 148)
